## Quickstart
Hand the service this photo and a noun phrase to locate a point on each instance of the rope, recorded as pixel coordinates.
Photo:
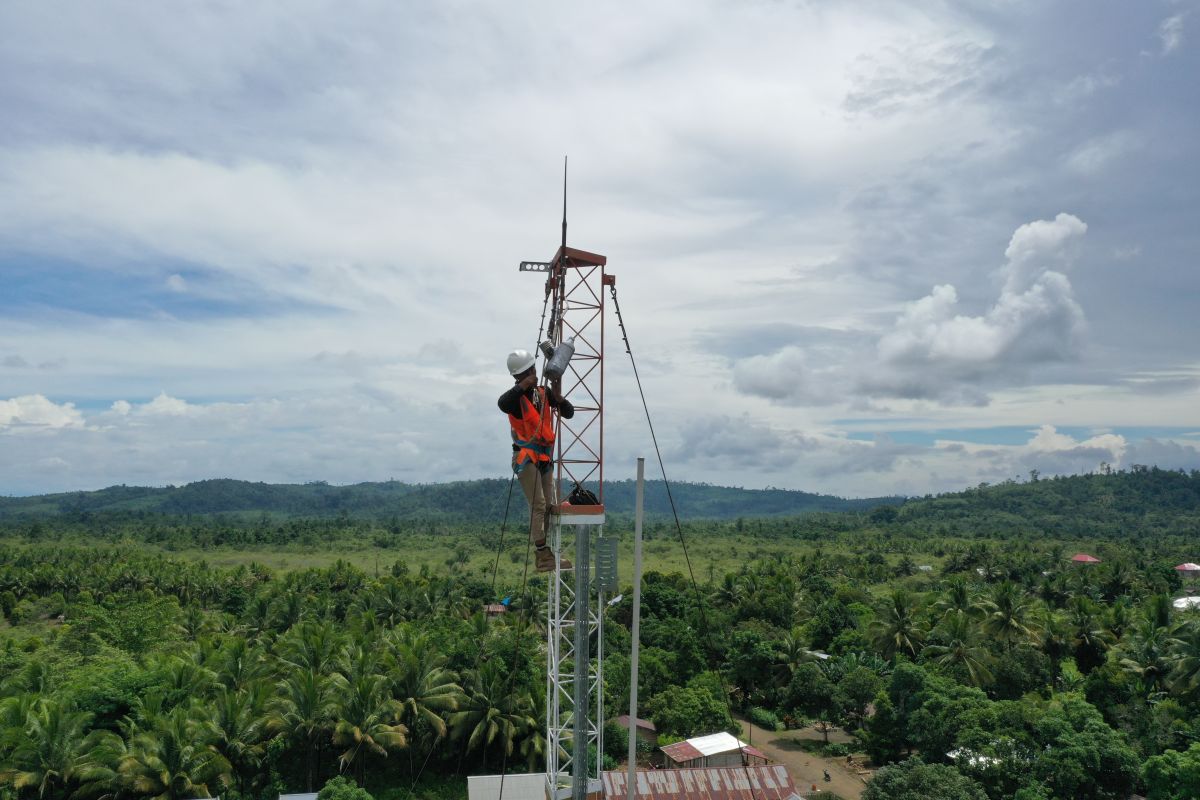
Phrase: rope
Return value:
(700, 603)
(512, 667)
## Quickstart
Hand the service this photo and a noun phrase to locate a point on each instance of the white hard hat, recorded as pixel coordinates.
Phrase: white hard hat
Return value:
(519, 361)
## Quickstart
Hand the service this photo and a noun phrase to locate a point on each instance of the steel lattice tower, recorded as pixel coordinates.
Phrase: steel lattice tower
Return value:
(575, 602)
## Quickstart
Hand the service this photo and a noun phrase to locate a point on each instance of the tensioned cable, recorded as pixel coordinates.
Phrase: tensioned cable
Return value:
(700, 604)
(525, 572)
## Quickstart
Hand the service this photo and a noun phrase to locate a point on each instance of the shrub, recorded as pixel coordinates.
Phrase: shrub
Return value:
(341, 789)
(764, 719)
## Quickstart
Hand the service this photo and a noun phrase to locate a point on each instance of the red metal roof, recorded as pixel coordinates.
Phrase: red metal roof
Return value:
(754, 751)
(682, 751)
(712, 783)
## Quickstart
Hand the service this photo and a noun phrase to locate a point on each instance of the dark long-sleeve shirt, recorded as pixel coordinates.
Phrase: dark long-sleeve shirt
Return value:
(510, 402)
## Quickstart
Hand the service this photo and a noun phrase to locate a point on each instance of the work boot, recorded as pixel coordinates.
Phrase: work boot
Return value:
(546, 560)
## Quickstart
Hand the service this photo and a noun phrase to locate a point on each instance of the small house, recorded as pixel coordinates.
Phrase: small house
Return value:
(716, 750)
(646, 731)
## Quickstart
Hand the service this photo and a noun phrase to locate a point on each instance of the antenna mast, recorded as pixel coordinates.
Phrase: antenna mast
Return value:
(576, 597)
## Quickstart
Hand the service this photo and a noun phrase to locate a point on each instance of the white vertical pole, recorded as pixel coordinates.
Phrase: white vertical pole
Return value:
(631, 780)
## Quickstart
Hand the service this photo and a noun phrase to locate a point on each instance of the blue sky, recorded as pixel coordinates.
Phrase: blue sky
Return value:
(863, 247)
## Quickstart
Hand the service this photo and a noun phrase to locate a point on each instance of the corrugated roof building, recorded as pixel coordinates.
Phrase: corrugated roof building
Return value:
(715, 783)
(716, 750)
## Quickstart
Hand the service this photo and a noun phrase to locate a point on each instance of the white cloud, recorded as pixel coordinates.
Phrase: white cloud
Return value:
(1163, 453)
(324, 225)
(1170, 33)
(934, 350)
(1036, 246)
(1095, 154)
(163, 405)
(783, 376)
(345, 437)
(1042, 323)
(36, 412)
(1053, 452)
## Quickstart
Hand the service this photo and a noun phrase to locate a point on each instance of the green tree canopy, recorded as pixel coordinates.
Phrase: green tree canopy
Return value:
(915, 780)
(689, 711)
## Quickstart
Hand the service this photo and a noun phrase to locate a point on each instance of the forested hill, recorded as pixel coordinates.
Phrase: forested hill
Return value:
(1110, 504)
(479, 500)
(1102, 505)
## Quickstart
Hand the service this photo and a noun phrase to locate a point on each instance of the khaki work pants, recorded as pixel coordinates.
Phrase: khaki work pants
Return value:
(539, 492)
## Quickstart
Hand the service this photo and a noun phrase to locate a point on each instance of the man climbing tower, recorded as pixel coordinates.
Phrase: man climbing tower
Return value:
(530, 409)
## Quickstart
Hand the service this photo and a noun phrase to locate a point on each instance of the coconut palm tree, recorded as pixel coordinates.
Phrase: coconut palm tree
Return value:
(185, 679)
(288, 609)
(1090, 638)
(896, 628)
(313, 646)
(238, 721)
(49, 751)
(391, 603)
(1055, 639)
(1184, 678)
(174, 759)
(794, 651)
(495, 713)
(420, 681)
(1008, 615)
(959, 646)
(1055, 590)
(367, 720)
(731, 592)
(957, 599)
(1119, 618)
(303, 708)
(533, 742)
(1159, 611)
(239, 664)
(1147, 654)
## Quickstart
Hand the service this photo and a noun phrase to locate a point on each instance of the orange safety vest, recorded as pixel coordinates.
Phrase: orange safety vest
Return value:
(533, 432)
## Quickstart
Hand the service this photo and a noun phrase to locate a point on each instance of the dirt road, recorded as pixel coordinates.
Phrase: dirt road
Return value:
(783, 748)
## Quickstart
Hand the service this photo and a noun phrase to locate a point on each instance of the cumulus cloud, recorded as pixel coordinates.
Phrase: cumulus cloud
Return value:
(934, 349)
(164, 405)
(1163, 453)
(1037, 246)
(1053, 452)
(36, 412)
(363, 191)
(757, 447)
(782, 376)
(353, 435)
